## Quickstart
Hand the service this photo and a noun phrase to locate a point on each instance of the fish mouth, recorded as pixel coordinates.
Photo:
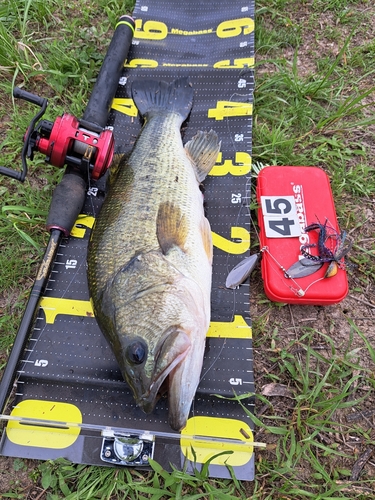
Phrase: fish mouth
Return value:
(172, 351)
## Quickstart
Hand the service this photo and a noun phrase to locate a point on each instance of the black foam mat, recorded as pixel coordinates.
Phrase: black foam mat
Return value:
(68, 366)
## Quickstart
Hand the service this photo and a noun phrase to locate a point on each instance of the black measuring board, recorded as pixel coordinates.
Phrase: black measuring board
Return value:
(68, 372)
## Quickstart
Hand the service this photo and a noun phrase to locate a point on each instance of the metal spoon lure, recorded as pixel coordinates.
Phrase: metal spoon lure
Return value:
(242, 271)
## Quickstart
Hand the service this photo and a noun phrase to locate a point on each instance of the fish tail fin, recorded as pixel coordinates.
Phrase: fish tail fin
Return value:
(153, 96)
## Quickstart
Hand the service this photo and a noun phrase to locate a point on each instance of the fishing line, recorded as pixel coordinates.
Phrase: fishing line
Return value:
(73, 278)
(214, 361)
(89, 191)
(23, 362)
(297, 291)
(208, 369)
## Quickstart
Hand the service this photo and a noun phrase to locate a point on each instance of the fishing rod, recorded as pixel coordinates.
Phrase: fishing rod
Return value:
(86, 147)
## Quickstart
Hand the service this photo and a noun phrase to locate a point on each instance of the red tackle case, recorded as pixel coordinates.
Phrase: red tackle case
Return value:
(291, 198)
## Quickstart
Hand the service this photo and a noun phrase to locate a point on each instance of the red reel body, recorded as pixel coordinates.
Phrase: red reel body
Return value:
(68, 141)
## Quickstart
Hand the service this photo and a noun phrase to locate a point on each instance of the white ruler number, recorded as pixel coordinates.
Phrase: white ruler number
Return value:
(236, 198)
(241, 84)
(42, 363)
(93, 191)
(71, 264)
(235, 381)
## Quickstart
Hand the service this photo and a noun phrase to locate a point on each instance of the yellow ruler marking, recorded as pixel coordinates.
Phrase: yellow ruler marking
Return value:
(236, 329)
(125, 106)
(52, 307)
(201, 451)
(226, 109)
(83, 220)
(44, 437)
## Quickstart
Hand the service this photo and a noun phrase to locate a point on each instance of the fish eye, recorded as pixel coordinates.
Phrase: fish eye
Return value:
(136, 352)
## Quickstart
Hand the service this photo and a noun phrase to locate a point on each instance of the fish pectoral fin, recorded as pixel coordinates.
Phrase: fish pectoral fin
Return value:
(207, 239)
(202, 150)
(171, 227)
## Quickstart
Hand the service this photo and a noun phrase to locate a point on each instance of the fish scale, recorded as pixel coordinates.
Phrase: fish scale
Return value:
(137, 191)
(150, 254)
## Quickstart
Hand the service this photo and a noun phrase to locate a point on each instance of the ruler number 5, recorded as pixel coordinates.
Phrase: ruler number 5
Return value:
(280, 206)
(41, 362)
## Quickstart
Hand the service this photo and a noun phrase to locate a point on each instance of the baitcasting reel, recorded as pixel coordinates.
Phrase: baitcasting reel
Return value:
(83, 145)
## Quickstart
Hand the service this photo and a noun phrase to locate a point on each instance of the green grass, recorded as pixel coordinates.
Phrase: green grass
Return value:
(305, 460)
(85, 483)
(314, 105)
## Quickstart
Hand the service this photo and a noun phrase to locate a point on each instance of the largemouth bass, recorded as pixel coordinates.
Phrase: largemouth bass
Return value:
(150, 254)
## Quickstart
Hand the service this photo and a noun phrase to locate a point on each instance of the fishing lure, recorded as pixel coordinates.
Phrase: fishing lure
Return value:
(332, 247)
(327, 235)
(241, 271)
(302, 268)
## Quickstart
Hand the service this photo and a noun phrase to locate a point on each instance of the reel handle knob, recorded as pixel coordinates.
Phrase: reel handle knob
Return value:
(12, 173)
(28, 96)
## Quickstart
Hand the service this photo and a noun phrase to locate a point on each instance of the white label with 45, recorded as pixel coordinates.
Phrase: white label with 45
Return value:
(280, 216)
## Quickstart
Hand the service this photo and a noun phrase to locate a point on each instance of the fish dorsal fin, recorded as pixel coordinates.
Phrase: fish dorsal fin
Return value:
(202, 150)
(171, 227)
